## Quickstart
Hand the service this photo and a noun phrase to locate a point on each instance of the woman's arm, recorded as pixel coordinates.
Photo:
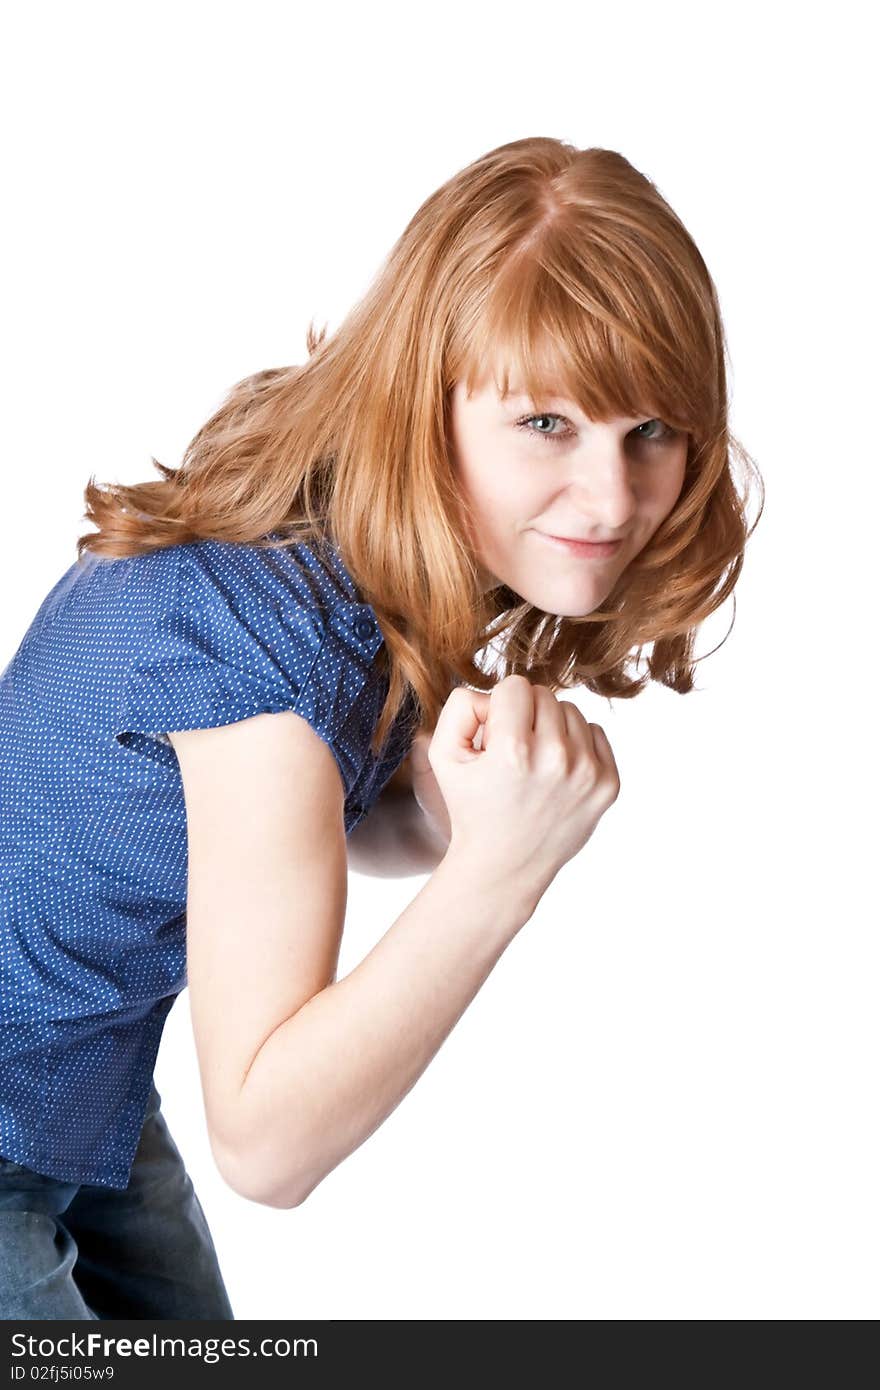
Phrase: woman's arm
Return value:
(325, 1079)
(298, 1068)
(396, 839)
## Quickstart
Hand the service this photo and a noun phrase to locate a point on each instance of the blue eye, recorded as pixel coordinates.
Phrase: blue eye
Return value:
(527, 420)
(665, 434)
(661, 438)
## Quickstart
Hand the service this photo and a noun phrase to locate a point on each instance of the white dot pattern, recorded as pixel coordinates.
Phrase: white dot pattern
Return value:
(93, 851)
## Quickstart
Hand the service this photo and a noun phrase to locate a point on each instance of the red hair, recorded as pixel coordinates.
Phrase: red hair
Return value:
(568, 267)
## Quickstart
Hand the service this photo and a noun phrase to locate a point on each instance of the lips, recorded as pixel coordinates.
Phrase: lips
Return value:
(596, 550)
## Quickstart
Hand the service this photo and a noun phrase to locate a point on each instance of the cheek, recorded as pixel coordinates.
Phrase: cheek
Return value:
(502, 493)
(669, 485)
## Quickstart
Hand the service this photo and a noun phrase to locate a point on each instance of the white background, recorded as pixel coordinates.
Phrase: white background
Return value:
(662, 1103)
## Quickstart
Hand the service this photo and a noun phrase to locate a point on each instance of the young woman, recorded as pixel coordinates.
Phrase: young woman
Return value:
(262, 669)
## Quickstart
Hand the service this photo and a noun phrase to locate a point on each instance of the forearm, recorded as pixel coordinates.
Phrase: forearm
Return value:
(395, 839)
(328, 1077)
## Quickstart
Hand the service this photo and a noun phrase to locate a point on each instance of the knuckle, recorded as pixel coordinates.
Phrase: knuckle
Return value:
(517, 753)
(556, 758)
(590, 775)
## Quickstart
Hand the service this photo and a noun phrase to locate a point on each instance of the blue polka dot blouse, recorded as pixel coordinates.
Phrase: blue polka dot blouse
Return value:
(93, 846)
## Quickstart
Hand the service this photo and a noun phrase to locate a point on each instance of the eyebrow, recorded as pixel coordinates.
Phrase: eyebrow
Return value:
(542, 395)
(551, 399)
(524, 396)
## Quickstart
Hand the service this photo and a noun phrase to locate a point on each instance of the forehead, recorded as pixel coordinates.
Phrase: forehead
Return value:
(508, 383)
(545, 377)
(488, 385)
(487, 395)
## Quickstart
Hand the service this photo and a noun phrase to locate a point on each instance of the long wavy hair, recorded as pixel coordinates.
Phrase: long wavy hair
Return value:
(569, 268)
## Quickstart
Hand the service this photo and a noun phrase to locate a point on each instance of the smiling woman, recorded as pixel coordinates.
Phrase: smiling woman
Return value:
(209, 707)
(604, 492)
(540, 277)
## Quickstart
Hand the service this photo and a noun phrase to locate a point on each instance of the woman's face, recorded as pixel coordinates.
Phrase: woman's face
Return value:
(527, 477)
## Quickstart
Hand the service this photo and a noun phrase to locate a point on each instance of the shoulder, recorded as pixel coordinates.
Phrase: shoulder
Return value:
(292, 600)
(309, 575)
(252, 630)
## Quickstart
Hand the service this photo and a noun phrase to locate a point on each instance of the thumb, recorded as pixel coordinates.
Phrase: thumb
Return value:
(462, 716)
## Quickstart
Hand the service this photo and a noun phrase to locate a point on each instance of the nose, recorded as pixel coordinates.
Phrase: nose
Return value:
(601, 485)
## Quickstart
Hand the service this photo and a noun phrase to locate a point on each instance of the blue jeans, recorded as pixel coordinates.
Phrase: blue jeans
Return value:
(77, 1250)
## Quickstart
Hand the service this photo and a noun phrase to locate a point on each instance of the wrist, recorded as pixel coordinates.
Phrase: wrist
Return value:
(516, 891)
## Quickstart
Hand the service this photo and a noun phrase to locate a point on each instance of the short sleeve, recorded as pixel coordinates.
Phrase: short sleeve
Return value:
(238, 636)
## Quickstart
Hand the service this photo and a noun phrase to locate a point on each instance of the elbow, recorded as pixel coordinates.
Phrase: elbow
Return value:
(280, 1202)
(252, 1188)
(248, 1180)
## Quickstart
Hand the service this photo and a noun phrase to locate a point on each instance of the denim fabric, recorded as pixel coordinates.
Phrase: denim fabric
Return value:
(74, 1250)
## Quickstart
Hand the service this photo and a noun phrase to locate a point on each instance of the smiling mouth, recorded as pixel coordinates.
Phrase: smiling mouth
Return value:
(587, 549)
(579, 540)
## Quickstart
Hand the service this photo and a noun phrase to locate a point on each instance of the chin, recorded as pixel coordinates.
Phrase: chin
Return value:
(569, 612)
(559, 607)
